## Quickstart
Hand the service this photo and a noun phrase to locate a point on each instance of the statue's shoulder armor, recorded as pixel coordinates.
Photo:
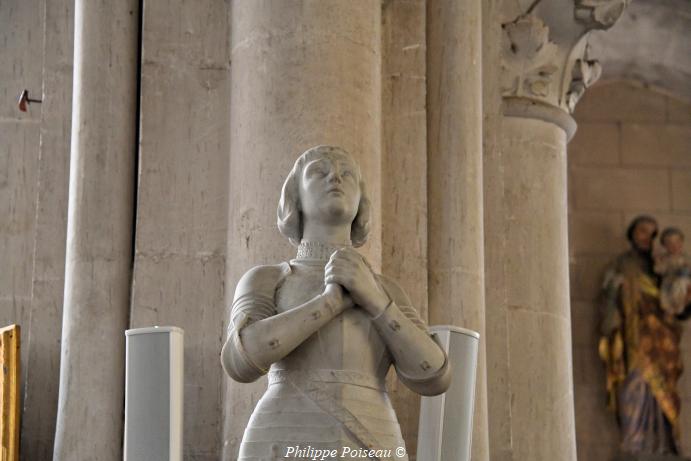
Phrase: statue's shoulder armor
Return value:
(262, 279)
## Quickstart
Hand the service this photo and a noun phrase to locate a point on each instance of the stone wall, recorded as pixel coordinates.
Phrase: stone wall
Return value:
(180, 234)
(21, 33)
(34, 160)
(631, 155)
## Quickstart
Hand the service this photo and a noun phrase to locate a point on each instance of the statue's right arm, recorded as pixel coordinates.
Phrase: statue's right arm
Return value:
(258, 337)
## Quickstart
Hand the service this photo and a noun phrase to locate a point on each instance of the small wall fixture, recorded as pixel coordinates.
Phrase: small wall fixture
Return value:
(24, 100)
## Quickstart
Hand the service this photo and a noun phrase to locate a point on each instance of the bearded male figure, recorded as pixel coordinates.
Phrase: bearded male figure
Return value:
(640, 347)
(326, 328)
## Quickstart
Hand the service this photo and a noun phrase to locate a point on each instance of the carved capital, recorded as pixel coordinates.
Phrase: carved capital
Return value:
(599, 14)
(545, 56)
(585, 72)
(529, 59)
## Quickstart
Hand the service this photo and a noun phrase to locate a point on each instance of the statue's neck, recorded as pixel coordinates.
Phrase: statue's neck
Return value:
(326, 231)
(318, 251)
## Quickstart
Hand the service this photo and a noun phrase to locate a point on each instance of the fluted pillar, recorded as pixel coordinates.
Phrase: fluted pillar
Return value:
(99, 231)
(303, 73)
(545, 70)
(454, 182)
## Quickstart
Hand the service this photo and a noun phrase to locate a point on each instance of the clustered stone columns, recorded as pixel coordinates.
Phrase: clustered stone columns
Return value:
(303, 73)
(99, 231)
(454, 191)
(545, 69)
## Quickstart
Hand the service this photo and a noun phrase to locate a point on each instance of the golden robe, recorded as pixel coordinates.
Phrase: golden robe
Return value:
(640, 347)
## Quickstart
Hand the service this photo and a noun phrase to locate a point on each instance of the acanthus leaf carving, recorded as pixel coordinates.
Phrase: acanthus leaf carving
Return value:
(528, 58)
(585, 73)
(545, 56)
(599, 14)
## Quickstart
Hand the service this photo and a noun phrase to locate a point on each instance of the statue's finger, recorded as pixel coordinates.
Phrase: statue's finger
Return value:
(345, 275)
(339, 265)
(332, 271)
(347, 253)
(335, 278)
(354, 255)
(344, 262)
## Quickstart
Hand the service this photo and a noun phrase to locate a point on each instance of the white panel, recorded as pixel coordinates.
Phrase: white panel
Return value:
(154, 394)
(446, 420)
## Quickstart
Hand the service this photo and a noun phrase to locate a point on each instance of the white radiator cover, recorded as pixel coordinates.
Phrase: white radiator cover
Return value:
(154, 394)
(446, 420)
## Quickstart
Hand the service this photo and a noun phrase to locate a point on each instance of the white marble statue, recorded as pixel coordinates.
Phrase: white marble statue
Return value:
(326, 328)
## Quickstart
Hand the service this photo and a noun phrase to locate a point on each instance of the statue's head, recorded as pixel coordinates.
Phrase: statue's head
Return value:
(641, 232)
(324, 186)
(672, 238)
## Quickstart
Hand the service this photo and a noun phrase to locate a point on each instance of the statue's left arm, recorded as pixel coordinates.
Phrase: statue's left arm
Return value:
(420, 362)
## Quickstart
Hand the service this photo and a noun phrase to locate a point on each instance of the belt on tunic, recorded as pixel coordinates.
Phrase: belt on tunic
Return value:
(355, 378)
(313, 385)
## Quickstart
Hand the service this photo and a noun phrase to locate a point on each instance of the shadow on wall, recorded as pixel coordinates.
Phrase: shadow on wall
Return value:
(631, 155)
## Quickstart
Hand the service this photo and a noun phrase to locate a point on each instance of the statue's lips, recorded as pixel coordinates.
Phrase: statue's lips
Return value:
(335, 190)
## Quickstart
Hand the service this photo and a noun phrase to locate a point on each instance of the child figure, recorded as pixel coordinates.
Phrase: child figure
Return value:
(674, 266)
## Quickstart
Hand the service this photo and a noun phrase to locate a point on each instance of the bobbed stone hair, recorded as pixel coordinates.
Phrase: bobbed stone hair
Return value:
(289, 209)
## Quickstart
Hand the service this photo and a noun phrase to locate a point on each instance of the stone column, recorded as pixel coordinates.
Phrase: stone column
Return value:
(454, 185)
(494, 208)
(545, 69)
(303, 73)
(403, 183)
(99, 231)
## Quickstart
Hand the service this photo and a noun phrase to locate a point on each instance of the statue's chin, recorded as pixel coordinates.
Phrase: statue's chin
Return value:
(337, 213)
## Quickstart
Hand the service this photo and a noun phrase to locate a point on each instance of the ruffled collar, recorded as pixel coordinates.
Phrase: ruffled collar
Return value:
(317, 251)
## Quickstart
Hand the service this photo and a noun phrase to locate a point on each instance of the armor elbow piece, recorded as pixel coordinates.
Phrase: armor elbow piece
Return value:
(434, 383)
(236, 363)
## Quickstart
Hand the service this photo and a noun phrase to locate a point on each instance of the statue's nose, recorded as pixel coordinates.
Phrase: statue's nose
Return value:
(335, 177)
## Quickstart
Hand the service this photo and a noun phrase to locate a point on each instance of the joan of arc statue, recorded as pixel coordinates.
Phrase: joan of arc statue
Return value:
(326, 328)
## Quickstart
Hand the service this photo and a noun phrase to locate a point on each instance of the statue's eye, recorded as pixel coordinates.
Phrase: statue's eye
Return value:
(317, 171)
(348, 174)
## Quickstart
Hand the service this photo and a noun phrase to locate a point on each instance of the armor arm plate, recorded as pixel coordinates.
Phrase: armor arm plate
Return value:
(420, 362)
(257, 335)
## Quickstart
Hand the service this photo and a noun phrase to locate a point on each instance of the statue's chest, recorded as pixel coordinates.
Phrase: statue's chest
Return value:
(349, 341)
(301, 285)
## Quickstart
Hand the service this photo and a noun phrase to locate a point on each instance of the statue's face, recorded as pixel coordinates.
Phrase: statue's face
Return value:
(330, 190)
(674, 244)
(643, 235)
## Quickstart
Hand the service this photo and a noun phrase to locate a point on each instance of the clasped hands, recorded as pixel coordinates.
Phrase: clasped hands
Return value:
(349, 281)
